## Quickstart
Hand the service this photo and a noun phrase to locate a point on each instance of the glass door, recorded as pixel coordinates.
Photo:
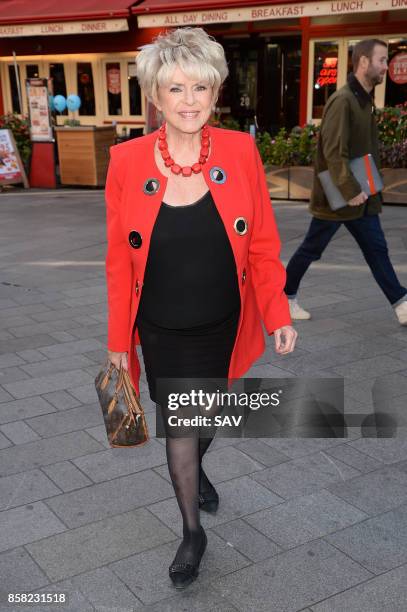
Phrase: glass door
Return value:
(278, 104)
(239, 93)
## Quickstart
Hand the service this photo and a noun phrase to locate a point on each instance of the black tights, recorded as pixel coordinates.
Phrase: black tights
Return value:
(204, 483)
(184, 456)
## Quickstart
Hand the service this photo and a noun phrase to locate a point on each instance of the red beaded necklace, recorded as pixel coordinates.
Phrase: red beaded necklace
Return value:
(176, 168)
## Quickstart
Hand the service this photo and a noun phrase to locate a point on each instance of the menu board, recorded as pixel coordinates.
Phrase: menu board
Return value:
(39, 111)
(11, 166)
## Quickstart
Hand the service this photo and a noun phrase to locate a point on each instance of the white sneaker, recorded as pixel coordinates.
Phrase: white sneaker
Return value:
(401, 312)
(296, 312)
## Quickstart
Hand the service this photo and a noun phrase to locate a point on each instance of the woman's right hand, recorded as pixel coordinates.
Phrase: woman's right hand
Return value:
(117, 359)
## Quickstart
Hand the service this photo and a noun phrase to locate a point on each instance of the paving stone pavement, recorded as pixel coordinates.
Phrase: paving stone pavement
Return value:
(306, 524)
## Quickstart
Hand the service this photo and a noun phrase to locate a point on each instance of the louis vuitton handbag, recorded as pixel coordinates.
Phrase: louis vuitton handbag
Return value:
(123, 414)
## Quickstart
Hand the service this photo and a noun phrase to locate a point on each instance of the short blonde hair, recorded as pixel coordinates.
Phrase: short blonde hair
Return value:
(193, 50)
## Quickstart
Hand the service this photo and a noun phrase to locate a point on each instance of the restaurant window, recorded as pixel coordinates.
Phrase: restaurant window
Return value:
(57, 75)
(114, 88)
(15, 100)
(86, 90)
(134, 90)
(32, 71)
(396, 81)
(325, 75)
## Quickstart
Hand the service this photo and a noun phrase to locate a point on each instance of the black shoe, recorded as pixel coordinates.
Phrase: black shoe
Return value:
(209, 500)
(182, 574)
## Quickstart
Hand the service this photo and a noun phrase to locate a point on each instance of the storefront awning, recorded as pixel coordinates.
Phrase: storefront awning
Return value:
(55, 17)
(27, 11)
(174, 13)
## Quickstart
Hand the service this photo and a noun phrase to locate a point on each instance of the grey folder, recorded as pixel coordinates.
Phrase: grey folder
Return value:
(358, 168)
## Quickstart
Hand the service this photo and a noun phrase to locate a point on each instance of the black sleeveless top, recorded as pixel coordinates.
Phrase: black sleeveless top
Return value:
(190, 278)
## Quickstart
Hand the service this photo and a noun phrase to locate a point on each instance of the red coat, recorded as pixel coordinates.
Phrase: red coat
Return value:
(131, 214)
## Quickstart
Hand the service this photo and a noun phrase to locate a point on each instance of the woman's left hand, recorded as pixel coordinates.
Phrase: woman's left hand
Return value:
(285, 338)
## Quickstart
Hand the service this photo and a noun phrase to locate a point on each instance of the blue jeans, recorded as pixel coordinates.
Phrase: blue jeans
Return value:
(368, 233)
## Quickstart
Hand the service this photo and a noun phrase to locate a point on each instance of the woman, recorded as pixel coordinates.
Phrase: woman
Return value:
(192, 263)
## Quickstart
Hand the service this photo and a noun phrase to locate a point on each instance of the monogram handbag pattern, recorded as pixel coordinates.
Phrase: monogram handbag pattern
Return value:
(122, 412)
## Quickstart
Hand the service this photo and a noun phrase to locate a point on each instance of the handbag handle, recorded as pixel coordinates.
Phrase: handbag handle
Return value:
(120, 380)
(107, 376)
(109, 372)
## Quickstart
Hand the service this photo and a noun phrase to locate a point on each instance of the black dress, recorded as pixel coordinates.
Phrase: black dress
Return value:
(190, 303)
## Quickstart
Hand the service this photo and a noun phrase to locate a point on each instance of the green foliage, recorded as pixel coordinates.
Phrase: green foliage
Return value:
(303, 143)
(72, 122)
(21, 132)
(296, 148)
(393, 155)
(392, 123)
(228, 123)
(280, 149)
(264, 145)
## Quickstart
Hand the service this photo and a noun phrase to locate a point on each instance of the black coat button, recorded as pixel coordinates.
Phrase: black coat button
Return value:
(151, 186)
(240, 226)
(135, 240)
(217, 175)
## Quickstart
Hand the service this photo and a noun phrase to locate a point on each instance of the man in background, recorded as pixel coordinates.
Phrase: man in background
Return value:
(348, 130)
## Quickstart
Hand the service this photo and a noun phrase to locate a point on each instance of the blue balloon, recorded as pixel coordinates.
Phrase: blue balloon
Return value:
(73, 102)
(60, 103)
(51, 103)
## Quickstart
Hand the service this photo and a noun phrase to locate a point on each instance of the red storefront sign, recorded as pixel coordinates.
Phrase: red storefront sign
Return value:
(398, 69)
(328, 73)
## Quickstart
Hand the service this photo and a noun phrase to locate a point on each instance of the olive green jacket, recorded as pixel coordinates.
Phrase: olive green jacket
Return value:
(348, 129)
